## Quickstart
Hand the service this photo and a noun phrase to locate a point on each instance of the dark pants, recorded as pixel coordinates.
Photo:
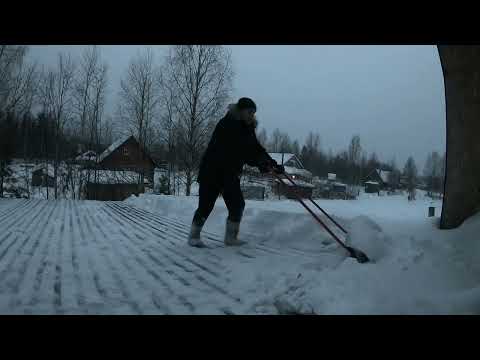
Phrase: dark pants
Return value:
(208, 194)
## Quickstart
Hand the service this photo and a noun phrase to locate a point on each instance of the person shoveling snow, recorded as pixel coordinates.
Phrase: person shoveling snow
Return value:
(233, 144)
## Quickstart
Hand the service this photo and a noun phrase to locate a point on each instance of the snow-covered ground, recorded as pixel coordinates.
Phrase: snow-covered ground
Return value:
(417, 268)
(83, 257)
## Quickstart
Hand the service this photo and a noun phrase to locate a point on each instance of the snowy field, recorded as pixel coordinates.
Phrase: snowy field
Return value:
(89, 257)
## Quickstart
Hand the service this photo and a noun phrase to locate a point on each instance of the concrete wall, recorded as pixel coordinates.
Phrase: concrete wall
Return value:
(461, 70)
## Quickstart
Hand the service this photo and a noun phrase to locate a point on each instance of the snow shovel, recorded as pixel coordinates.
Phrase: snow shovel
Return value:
(360, 256)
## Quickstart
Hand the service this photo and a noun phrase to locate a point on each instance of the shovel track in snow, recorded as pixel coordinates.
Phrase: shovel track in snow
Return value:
(88, 257)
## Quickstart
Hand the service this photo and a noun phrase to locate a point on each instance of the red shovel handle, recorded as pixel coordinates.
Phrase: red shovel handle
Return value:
(318, 206)
(315, 216)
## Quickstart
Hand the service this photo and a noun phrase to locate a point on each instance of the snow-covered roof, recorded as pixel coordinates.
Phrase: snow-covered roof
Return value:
(295, 171)
(383, 175)
(298, 182)
(278, 157)
(114, 177)
(89, 155)
(332, 176)
(372, 182)
(339, 184)
(113, 147)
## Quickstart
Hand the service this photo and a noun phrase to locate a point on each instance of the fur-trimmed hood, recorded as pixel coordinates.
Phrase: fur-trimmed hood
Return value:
(233, 110)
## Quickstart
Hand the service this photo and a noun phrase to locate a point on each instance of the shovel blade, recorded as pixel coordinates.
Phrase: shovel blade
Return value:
(360, 256)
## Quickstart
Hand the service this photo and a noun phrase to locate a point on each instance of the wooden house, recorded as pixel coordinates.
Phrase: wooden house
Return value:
(293, 167)
(123, 169)
(372, 187)
(285, 188)
(126, 154)
(113, 185)
(381, 177)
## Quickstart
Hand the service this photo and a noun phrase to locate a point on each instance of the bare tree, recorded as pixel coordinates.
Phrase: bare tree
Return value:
(169, 129)
(11, 58)
(373, 163)
(17, 93)
(56, 94)
(313, 142)
(262, 137)
(275, 141)
(97, 107)
(140, 100)
(411, 175)
(140, 97)
(106, 133)
(433, 172)
(89, 102)
(285, 143)
(394, 175)
(18, 80)
(201, 75)
(8, 127)
(354, 154)
(296, 148)
(89, 94)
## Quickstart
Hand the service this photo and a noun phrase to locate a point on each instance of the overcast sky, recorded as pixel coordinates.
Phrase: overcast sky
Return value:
(392, 96)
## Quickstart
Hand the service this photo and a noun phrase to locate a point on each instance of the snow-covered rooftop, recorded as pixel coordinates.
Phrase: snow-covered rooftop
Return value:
(278, 157)
(89, 155)
(294, 171)
(113, 147)
(332, 176)
(383, 175)
(372, 182)
(297, 182)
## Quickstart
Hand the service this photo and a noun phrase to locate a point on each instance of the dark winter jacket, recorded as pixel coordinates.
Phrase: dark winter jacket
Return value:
(233, 144)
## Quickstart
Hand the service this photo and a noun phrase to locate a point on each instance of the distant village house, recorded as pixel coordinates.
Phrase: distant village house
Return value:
(122, 170)
(293, 167)
(378, 178)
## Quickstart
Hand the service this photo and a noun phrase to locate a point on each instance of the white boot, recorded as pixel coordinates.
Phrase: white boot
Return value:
(231, 234)
(194, 237)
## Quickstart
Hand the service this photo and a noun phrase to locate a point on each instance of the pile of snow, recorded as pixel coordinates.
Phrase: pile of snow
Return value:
(367, 235)
(426, 272)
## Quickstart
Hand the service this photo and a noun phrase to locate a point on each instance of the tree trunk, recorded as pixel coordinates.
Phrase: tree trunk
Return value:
(25, 142)
(55, 169)
(188, 183)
